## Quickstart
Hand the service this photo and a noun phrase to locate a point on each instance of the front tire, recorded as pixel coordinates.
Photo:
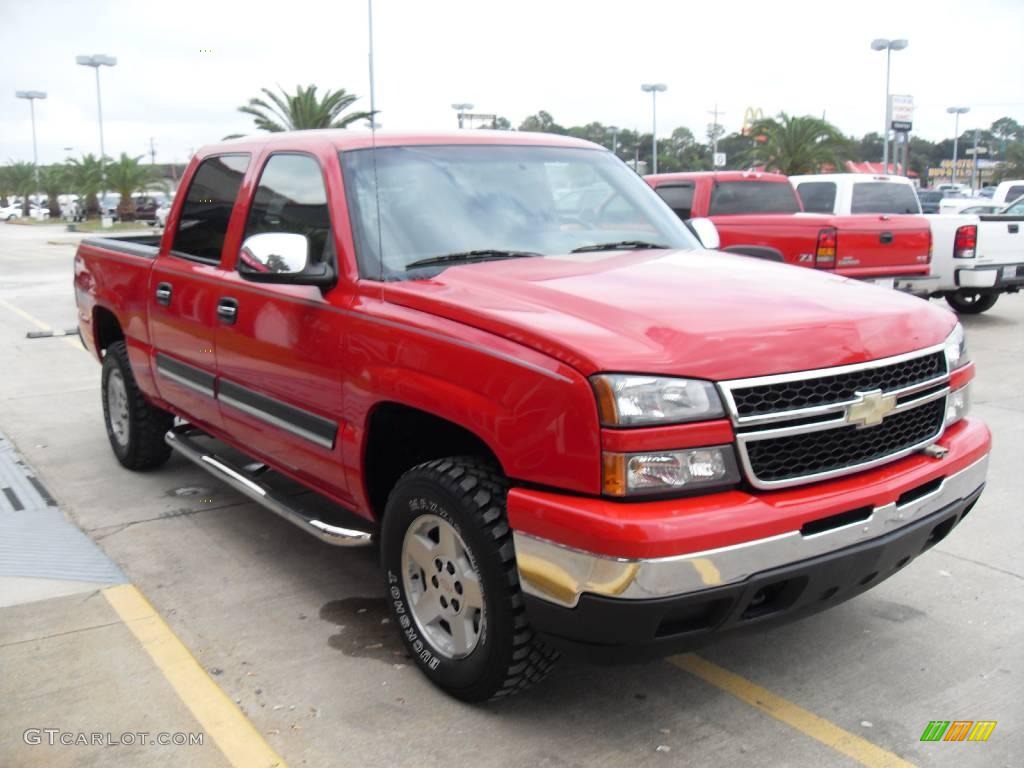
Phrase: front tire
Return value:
(135, 428)
(967, 302)
(452, 582)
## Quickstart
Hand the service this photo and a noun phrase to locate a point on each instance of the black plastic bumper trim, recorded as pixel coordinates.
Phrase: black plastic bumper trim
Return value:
(612, 630)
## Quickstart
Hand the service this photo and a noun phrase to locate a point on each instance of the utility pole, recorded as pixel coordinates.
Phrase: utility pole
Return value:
(974, 165)
(152, 152)
(714, 132)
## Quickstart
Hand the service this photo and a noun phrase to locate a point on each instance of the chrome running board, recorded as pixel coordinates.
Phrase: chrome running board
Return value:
(245, 483)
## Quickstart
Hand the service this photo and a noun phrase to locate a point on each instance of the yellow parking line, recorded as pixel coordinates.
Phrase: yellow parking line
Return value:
(818, 728)
(237, 738)
(39, 323)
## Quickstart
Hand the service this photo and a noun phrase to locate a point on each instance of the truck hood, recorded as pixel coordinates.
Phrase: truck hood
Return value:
(691, 313)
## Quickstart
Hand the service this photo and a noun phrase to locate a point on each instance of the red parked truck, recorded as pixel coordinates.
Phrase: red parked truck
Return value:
(760, 214)
(562, 430)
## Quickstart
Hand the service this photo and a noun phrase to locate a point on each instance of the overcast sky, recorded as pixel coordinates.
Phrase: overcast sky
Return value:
(579, 60)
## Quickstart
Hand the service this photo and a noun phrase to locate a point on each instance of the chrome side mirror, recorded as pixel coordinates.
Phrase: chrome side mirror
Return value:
(706, 232)
(277, 253)
(281, 257)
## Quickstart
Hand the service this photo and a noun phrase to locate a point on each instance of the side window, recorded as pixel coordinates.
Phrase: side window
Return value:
(1014, 192)
(679, 199)
(207, 208)
(291, 198)
(817, 196)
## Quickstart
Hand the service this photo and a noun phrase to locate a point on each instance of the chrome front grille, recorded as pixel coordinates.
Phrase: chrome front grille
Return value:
(804, 427)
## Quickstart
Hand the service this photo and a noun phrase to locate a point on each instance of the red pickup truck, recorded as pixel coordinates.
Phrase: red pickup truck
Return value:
(760, 214)
(562, 431)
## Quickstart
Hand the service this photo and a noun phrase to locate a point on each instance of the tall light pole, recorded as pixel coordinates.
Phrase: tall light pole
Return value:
(615, 139)
(96, 61)
(882, 44)
(956, 111)
(32, 96)
(462, 108)
(654, 89)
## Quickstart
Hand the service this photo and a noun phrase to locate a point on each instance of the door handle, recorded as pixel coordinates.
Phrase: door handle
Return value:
(227, 310)
(163, 294)
(885, 238)
(1014, 228)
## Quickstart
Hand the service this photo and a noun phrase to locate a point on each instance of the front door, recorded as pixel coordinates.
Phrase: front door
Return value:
(278, 357)
(184, 286)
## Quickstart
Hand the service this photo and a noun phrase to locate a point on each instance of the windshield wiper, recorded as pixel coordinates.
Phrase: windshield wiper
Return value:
(484, 254)
(622, 245)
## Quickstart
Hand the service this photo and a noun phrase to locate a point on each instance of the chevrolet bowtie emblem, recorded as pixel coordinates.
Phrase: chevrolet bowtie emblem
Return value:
(870, 409)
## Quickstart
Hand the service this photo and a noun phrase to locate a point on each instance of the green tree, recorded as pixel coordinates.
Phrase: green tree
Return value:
(85, 177)
(5, 186)
(499, 124)
(542, 122)
(126, 176)
(795, 144)
(52, 179)
(22, 180)
(303, 110)
(1006, 129)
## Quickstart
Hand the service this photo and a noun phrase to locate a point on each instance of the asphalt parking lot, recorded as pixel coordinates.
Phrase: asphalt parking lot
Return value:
(296, 635)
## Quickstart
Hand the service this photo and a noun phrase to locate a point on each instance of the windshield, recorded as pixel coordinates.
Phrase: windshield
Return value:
(883, 197)
(440, 200)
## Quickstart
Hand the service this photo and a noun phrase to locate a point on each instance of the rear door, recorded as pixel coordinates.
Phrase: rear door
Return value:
(184, 287)
(1001, 238)
(278, 356)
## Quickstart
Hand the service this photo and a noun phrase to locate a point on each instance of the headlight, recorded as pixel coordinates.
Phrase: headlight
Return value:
(958, 404)
(625, 400)
(629, 474)
(956, 349)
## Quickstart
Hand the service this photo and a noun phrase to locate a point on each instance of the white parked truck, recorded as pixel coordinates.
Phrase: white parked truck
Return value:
(974, 258)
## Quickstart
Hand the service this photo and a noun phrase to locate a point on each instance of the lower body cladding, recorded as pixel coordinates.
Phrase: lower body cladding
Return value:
(620, 610)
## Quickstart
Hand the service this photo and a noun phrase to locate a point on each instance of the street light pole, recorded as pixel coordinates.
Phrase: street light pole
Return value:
(956, 112)
(31, 96)
(654, 89)
(461, 109)
(96, 61)
(615, 139)
(883, 44)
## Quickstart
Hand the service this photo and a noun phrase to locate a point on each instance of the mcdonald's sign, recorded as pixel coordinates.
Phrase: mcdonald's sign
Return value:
(751, 116)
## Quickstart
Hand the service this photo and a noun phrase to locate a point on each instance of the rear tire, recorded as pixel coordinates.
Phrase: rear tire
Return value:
(135, 428)
(967, 302)
(463, 621)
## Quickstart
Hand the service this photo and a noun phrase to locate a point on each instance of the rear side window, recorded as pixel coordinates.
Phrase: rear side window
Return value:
(679, 199)
(883, 197)
(207, 208)
(291, 198)
(753, 197)
(1014, 192)
(818, 196)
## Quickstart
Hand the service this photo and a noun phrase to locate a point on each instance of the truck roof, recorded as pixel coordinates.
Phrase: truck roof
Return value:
(719, 176)
(341, 139)
(851, 177)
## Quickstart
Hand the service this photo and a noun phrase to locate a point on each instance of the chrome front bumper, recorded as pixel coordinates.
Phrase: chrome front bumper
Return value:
(560, 574)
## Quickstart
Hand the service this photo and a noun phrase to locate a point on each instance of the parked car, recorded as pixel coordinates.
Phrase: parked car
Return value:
(929, 198)
(146, 207)
(591, 435)
(162, 212)
(974, 258)
(1008, 191)
(759, 214)
(12, 212)
(983, 208)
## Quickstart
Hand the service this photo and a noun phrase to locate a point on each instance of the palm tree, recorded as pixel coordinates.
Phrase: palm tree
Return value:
(793, 145)
(5, 186)
(85, 177)
(127, 176)
(302, 111)
(22, 179)
(53, 179)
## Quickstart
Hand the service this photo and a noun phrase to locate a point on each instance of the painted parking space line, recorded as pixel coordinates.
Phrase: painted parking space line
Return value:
(72, 340)
(818, 728)
(232, 732)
